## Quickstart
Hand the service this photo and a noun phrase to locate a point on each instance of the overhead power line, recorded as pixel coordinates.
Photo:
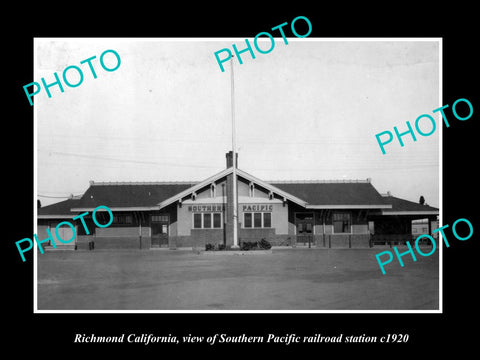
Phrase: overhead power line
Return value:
(96, 157)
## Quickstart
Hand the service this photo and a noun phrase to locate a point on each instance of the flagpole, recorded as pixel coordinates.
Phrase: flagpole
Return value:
(234, 162)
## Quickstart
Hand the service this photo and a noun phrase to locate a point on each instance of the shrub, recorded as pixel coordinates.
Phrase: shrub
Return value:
(248, 245)
(215, 247)
(255, 245)
(209, 247)
(264, 244)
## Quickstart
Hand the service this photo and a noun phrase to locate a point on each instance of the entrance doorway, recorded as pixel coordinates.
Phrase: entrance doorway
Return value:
(159, 226)
(304, 223)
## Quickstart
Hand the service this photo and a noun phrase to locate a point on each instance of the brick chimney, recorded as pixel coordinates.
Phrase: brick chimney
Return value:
(229, 157)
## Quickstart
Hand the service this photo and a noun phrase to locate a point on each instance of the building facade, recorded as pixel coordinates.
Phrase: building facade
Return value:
(192, 214)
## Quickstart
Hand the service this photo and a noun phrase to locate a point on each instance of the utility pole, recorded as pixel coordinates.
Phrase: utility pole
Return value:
(234, 162)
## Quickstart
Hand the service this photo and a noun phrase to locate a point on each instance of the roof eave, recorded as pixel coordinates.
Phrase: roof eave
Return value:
(193, 188)
(225, 173)
(406, 212)
(273, 188)
(119, 208)
(383, 206)
(53, 216)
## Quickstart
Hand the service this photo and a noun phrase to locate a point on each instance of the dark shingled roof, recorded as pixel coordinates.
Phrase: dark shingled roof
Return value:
(405, 205)
(145, 195)
(60, 208)
(334, 193)
(129, 195)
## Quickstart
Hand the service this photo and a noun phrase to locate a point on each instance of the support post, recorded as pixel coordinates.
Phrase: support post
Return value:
(234, 162)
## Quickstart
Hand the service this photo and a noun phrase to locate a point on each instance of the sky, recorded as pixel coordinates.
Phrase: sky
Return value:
(308, 110)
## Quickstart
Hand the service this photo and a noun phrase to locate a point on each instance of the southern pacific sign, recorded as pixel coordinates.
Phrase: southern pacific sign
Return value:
(206, 208)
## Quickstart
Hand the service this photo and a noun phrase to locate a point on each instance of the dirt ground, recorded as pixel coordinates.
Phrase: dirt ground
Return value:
(286, 279)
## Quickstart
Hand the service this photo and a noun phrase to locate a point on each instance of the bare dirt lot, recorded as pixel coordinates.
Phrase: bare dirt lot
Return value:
(286, 279)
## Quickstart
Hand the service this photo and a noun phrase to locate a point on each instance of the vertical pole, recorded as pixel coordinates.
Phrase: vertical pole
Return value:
(224, 206)
(140, 229)
(429, 228)
(76, 237)
(234, 162)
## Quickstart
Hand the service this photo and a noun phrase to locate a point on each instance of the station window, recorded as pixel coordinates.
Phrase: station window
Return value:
(267, 220)
(207, 220)
(247, 220)
(197, 221)
(159, 218)
(341, 222)
(122, 219)
(217, 220)
(257, 220)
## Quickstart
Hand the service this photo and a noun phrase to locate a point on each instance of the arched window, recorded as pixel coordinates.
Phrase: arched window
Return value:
(194, 196)
(213, 189)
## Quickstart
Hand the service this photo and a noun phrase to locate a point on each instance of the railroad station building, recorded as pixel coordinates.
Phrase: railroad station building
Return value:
(146, 215)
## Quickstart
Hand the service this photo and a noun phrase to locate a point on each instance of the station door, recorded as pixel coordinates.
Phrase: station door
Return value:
(159, 226)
